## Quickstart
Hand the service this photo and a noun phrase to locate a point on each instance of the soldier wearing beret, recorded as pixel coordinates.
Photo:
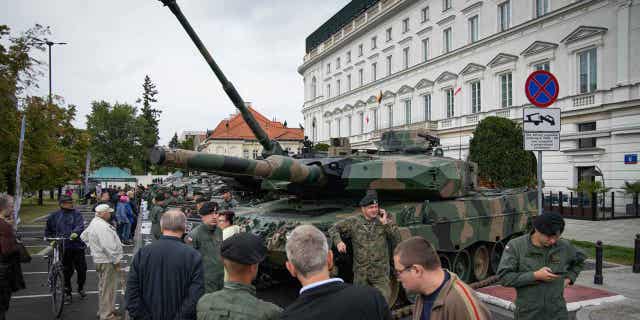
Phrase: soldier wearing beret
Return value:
(371, 232)
(159, 207)
(539, 265)
(241, 254)
(206, 238)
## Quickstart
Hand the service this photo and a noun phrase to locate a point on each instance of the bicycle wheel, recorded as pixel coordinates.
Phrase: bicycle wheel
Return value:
(57, 290)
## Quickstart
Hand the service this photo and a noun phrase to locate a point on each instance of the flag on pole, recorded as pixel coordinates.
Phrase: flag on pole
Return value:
(379, 97)
(18, 199)
(366, 119)
(457, 90)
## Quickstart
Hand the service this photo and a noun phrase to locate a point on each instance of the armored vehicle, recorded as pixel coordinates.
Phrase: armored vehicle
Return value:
(427, 194)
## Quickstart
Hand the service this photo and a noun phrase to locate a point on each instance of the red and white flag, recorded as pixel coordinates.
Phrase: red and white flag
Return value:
(457, 90)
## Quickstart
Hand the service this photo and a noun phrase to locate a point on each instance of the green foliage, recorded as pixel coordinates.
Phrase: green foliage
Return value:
(174, 141)
(187, 144)
(148, 121)
(631, 187)
(588, 187)
(321, 147)
(497, 148)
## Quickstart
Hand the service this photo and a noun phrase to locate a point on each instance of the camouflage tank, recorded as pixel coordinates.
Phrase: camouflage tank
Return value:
(427, 194)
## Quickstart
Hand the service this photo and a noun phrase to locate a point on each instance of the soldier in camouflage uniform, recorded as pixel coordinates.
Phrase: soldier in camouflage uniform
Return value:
(241, 253)
(206, 238)
(540, 265)
(155, 214)
(371, 234)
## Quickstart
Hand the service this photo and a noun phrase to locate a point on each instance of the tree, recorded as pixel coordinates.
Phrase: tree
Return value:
(497, 148)
(187, 144)
(174, 141)
(148, 120)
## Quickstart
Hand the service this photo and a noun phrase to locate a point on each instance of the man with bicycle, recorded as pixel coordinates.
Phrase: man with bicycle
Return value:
(68, 223)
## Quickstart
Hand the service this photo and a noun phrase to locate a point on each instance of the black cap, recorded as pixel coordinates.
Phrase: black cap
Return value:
(64, 198)
(199, 200)
(208, 208)
(244, 248)
(225, 190)
(550, 224)
(370, 198)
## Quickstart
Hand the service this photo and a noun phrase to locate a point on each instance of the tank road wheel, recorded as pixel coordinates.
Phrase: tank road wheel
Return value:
(462, 265)
(481, 262)
(445, 262)
(496, 255)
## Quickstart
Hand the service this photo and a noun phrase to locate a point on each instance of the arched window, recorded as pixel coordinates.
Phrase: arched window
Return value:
(313, 88)
(314, 130)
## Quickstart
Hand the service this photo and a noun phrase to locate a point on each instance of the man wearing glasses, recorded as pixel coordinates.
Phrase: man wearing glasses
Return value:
(441, 294)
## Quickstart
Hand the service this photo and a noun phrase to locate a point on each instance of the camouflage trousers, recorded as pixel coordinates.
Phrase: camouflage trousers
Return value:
(107, 285)
(381, 283)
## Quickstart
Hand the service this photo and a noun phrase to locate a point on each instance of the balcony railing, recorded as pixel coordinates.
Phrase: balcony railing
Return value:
(584, 100)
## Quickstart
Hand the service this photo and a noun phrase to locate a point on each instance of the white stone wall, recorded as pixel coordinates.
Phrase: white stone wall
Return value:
(613, 29)
(237, 148)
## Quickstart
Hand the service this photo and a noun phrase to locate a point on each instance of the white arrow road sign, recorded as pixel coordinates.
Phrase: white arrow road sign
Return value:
(541, 120)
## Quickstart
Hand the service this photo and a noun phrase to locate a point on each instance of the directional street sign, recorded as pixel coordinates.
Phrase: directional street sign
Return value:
(542, 88)
(541, 120)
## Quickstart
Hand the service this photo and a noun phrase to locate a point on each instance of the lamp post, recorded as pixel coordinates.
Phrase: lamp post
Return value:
(50, 44)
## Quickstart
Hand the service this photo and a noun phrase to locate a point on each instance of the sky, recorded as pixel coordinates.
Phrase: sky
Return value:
(113, 44)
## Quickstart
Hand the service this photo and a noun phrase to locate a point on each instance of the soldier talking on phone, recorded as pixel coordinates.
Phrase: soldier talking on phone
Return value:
(371, 234)
(540, 265)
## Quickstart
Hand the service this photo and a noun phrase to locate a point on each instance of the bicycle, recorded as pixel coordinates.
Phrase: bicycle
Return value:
(55, 278)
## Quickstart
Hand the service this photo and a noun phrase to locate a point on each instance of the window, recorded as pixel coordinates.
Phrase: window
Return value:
(374, 71)
(389, 58)
(587, 60)
(405, 25)
(407, 111)
(586, 173)
(504, 16)
(337, 63)
(390, 115)
(348, 82)
(328, 129)
(245, 154)
(360, 50)
(586, 142)
(349, 125)
(425, 49)
(361, 115)
(541, 66)
(446, 42)
(314, 130)
(449, 97)
(360, 77)
(475, 97)
(375, 119)
(374, 42)
(388, 33)
(339, 124)
(328, 90)
(405, 57)
(424, 13)
(446, 5)
(506, 91)
(314, 85)
(338, 87)
(427, 107)
(348, 56)
(473, 29)
(328, 68)
(255, 154)
(542, 7)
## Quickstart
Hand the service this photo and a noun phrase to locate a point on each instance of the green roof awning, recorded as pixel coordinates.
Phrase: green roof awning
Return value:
(112, 174)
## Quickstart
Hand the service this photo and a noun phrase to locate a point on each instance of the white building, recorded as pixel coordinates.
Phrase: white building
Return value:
(197, 136)
(444, 65)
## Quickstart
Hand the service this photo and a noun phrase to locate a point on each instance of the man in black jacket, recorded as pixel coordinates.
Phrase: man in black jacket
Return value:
(322, 297)
(166, 278)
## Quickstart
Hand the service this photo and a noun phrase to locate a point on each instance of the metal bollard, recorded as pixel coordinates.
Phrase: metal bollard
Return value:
(636, 259)
(597, 278)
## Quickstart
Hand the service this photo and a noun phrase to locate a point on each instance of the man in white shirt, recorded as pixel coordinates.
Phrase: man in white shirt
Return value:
(106, 250)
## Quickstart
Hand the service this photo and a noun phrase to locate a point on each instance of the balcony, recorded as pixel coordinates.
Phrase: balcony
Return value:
(584, 100)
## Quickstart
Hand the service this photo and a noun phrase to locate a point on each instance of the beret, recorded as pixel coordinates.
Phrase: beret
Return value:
(208, 208)
(201, 200)
(244, 248)
(159, 197)
(550, 224)
(370, 198)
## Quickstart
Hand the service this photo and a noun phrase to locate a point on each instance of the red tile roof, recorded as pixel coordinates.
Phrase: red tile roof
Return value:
(237, 128)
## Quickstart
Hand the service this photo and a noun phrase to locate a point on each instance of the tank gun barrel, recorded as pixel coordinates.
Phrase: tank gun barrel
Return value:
(270, 146)
(275, 167)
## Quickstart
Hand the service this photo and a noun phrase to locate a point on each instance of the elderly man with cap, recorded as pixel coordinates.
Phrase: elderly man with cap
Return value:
(106, 250)
(228, 202)
(539, 265)
(206, 238)
(241, 254)
(68, 223)
(372, 232)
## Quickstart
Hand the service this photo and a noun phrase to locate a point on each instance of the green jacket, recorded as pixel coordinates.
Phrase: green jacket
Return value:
(236, 301)
(155, 214)
(538, 299)
(207, 241)
(370, 241)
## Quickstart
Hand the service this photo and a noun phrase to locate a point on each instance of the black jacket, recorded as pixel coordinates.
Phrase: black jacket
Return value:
(336, 301)
(165, 281)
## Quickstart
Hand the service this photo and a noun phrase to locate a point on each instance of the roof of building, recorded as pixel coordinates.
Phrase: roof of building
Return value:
(237, 128)
(352, 10)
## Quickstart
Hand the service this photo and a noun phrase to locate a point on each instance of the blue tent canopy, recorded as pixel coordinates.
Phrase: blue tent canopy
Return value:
(111, 174)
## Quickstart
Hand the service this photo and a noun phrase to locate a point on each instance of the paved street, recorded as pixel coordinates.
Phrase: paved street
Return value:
(621, 232)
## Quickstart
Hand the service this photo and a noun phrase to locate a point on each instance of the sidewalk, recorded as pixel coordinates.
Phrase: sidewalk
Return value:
(619, 280)
(620, 232)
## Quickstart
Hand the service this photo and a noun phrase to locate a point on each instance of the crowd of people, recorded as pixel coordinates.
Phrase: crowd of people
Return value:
(207, 273)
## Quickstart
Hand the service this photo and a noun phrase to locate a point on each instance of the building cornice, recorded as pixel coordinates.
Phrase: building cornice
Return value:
(471, 7)
(446, 20)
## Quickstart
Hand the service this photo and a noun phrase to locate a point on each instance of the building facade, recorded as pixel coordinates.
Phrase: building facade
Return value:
(197, 136)
(233, 137)
(444, 65)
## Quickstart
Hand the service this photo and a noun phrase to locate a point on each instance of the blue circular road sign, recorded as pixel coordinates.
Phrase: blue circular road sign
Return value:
(541, 88)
